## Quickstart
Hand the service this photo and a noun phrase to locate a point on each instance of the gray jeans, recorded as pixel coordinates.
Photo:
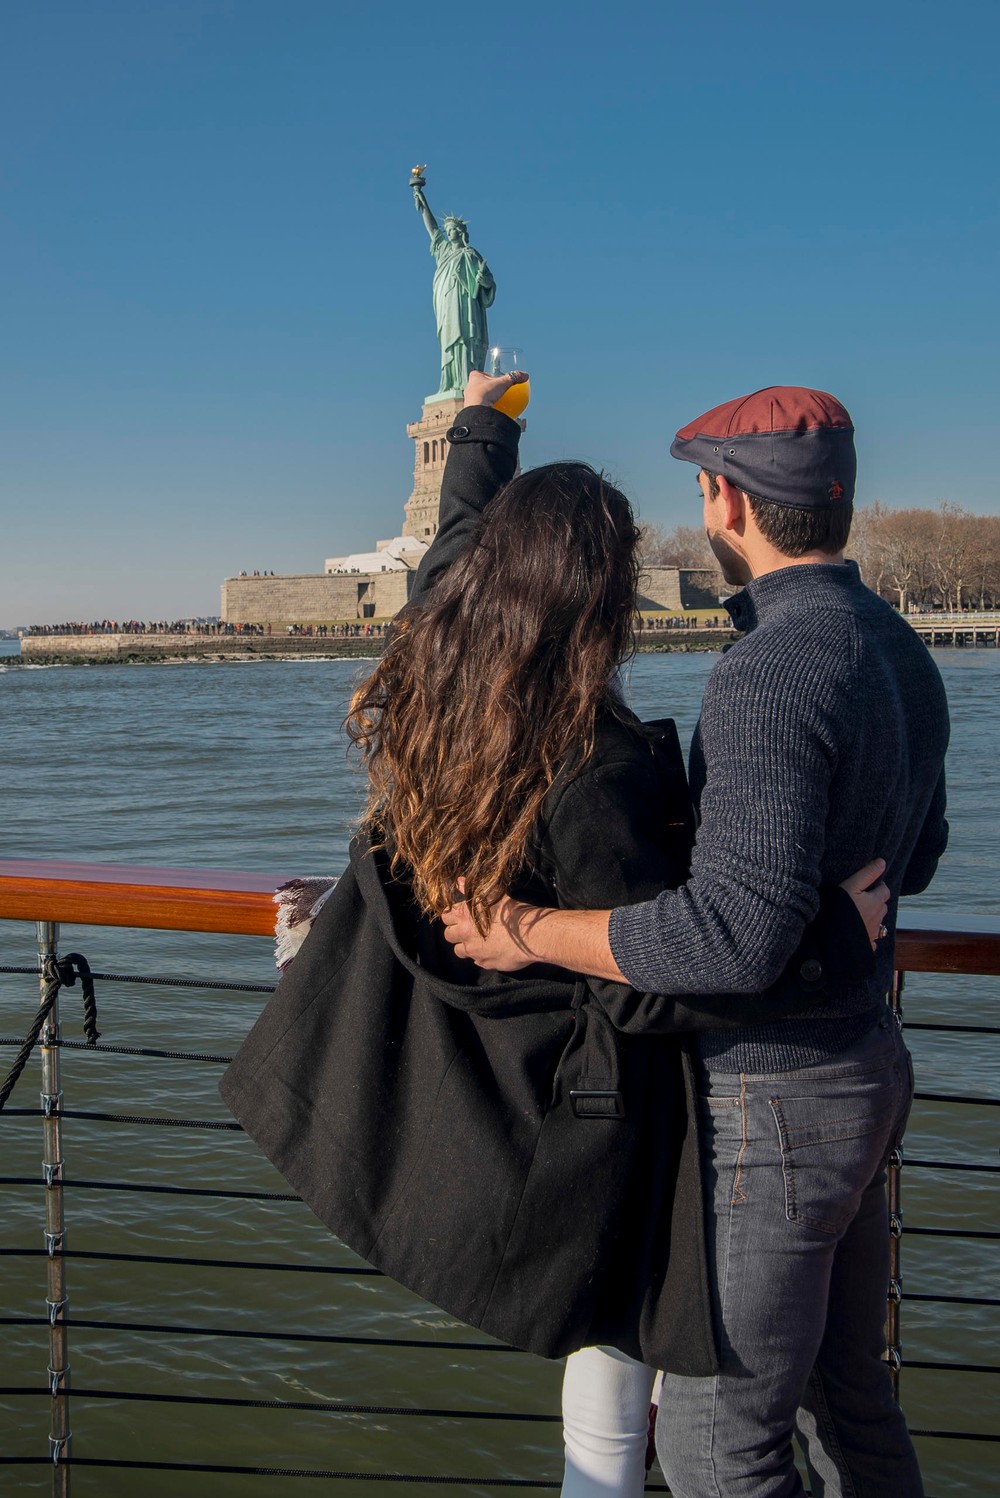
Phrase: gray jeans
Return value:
(798, 1255)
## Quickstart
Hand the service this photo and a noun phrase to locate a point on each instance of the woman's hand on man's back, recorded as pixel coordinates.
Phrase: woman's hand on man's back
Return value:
(872, 903)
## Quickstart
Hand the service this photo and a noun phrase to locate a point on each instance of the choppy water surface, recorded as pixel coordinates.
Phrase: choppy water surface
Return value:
(240, 766)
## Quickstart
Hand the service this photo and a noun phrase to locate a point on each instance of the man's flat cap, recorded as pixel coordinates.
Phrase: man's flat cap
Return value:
(786, 444)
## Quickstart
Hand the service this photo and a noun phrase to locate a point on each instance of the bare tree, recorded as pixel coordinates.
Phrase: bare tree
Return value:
(901, 552)
(684, 546)
(984, 565)
(955, 535)
(919, 558)
(928, 558)
(865, 545)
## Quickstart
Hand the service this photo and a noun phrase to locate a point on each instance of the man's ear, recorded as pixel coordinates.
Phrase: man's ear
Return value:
(734, 504)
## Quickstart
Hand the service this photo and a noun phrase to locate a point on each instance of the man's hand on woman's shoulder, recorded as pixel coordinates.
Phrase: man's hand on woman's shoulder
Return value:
(503, 949)
(521, 934)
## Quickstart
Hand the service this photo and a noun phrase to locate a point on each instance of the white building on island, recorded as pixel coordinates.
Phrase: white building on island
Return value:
(400, 554)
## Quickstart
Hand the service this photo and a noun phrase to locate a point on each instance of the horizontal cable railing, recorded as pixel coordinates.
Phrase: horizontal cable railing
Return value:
(242, 904)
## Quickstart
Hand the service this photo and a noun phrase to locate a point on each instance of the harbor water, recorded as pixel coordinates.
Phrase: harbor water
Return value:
(242, 766)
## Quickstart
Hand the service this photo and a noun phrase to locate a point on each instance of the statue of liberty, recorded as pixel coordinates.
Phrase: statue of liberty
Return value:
(463, 289)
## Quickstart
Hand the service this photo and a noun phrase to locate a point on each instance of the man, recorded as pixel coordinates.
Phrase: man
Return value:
(820, 746)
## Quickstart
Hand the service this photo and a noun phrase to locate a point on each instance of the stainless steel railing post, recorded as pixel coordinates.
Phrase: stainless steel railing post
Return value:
(55, 1226)
(894, 1188)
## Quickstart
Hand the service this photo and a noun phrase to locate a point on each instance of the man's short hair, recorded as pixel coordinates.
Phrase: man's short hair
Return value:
(796, 532)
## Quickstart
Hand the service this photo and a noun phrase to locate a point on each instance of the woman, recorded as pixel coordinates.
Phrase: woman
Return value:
(515, 1150)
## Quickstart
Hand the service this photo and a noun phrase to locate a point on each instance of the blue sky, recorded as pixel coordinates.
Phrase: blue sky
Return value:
(215, 292)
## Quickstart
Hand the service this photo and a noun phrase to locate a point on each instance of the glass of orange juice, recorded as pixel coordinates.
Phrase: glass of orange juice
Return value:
(501, 360)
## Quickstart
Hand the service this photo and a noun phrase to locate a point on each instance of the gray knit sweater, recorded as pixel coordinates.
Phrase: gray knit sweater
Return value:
(820, 746)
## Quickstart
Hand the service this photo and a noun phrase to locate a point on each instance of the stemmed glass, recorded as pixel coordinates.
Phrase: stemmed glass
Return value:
(501, 360)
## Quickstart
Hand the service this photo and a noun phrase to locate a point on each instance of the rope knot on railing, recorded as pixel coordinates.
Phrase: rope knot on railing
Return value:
(64, 971)
(57, 973)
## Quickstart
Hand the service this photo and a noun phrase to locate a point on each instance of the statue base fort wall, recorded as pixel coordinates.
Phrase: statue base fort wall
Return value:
(339, 598)
(678, 588)
(314, 598)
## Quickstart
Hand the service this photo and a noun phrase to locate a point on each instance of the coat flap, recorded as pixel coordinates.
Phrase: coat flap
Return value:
(387, 899)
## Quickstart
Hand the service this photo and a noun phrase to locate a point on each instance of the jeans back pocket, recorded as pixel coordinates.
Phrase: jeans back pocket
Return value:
(833, 1145)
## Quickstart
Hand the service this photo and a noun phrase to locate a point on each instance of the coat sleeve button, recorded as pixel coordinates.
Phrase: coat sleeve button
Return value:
(811, 970)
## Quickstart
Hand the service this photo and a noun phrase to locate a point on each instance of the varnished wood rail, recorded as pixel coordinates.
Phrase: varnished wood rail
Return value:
(110, 894)
(107, 894)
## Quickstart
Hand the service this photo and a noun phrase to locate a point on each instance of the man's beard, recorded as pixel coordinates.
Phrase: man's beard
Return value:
(734, 566)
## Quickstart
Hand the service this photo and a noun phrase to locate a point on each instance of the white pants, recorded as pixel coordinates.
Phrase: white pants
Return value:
(605, 1406)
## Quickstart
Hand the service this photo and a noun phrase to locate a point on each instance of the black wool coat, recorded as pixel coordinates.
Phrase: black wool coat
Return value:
(519, 1150)
(494, 1145)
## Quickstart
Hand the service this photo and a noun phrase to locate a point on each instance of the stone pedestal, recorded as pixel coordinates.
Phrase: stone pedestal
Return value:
(431, 449)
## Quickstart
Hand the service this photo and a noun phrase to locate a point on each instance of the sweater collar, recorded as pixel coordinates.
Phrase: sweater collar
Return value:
(791, 589)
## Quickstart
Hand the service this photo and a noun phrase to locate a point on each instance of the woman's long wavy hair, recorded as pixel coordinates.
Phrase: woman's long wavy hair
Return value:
(493, 681)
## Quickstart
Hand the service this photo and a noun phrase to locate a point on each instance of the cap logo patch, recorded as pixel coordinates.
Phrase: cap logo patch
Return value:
(836, 491)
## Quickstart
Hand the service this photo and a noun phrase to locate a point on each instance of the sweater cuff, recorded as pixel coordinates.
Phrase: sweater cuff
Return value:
(633, 939)
(485, 424)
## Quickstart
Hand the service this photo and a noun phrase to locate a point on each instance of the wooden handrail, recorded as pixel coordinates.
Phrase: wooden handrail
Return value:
(939, 950)
(107, 894)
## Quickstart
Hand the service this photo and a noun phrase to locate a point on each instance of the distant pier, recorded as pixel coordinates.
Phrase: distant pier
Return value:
(968, 628)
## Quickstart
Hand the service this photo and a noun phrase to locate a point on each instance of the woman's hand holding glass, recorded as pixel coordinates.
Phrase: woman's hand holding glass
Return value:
(488, 389)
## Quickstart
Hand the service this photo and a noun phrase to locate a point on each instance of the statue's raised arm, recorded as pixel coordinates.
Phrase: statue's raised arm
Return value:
(417, 182)
(463, 289)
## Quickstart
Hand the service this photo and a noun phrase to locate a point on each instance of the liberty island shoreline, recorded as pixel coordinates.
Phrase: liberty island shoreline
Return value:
(970, 630)
(140, 650)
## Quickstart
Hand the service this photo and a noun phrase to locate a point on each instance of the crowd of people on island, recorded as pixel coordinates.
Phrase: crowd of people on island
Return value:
(322, 631)
(337, 631)
(197, 627)
(130, 627)
(682, 621)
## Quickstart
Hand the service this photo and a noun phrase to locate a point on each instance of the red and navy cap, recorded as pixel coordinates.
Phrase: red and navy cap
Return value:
(786, 444)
